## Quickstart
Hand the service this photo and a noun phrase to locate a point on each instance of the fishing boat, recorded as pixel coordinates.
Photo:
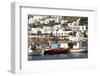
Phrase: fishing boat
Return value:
(74, 50)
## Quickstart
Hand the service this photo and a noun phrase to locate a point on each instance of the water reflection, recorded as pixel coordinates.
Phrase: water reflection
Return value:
(60, 56)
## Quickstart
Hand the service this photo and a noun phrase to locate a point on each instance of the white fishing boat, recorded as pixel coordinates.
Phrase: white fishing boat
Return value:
(74, 50)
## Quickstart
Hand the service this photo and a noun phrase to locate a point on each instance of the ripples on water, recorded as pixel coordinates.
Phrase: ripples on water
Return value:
(59, 56)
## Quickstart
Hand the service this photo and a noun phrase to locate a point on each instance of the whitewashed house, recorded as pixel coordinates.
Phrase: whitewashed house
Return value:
(55, 30)
(34, 30)
(82, 28)
(55, 27)
(72, 38)
(79, 36)
(69, 24)
(67, 33)
(61, 32)
(47, 30)
(54, 33)
(57, 20)
(31, 20)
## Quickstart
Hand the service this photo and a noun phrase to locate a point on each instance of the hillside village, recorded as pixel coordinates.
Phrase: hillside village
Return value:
(57, 29)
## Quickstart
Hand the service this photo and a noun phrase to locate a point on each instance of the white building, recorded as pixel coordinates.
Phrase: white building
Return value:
(67, 33)
(60, 32)
(47, 29)
(82, 28)
(55, 30)
(31, 20)
(54, 33)
(71, 38)
(55, 27)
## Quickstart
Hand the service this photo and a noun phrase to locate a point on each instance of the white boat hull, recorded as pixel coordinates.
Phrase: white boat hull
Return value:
(76, 50)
